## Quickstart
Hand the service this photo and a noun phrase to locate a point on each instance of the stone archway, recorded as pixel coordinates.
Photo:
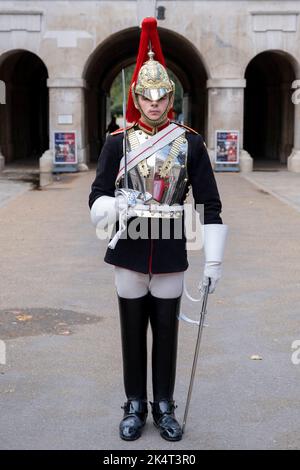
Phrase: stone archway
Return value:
(268, 108)
(120, 50)
(24, 121)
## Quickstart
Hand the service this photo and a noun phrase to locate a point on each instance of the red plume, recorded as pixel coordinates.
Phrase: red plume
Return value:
(149, 34)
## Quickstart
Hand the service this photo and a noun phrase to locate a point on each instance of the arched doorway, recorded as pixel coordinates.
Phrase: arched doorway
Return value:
(268, 109)
(24, 128)
(119, 51)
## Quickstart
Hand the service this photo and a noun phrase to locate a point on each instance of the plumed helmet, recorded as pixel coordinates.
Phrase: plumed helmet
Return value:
(153, 81)
(150, 77)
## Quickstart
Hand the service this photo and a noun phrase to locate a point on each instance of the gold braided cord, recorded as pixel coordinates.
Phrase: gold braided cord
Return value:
(174, 151)
(134, 144)
(165, 169)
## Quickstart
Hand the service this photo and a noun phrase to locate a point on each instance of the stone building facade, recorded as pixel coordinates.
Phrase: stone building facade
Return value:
(237, 61)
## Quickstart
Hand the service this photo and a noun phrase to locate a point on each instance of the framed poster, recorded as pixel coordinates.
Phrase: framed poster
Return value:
(227, 147)
(65, 148)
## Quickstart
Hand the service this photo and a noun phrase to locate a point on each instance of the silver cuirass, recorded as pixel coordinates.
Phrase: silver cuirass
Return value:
(161, 178)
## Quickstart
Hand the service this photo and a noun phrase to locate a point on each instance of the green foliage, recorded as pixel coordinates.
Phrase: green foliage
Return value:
(178, 93)
(116, 92)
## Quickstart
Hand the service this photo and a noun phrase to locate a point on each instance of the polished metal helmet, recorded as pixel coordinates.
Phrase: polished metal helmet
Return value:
(153, 81)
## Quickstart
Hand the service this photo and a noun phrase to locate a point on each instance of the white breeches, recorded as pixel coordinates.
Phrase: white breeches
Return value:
(131, 284)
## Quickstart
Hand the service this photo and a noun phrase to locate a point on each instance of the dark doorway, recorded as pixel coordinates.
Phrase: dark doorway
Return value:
(269, 111)
(24, 119)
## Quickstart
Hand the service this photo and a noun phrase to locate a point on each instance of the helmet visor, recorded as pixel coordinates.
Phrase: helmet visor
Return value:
(154, 94)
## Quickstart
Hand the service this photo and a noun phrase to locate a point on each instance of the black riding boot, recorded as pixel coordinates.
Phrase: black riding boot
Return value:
(134, 319)
(164, 324)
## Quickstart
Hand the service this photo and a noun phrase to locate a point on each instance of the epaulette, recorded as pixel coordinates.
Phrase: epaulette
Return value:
(187, 128)
(120, 131)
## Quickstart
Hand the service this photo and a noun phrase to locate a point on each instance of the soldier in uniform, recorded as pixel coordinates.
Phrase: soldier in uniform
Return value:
(164, 160)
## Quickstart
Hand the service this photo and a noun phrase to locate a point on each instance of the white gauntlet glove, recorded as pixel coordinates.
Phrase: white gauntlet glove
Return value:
(212, 272)
(106, 209)
(103, 212)
(214, 246)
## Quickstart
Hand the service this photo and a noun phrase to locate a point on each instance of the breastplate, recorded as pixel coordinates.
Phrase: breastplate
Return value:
(161, 177)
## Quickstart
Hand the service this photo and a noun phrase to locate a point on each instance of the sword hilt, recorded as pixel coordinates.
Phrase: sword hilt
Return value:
(124, 130)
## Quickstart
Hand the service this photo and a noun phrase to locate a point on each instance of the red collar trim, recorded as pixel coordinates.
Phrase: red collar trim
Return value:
(152, 130)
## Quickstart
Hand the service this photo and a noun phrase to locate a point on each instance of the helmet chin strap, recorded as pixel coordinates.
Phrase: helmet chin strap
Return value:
(157, 122)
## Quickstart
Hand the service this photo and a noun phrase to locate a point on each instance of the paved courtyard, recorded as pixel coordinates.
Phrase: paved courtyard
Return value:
(61, 386)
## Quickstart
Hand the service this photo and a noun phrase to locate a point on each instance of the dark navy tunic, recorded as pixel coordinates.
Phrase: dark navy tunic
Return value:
(158, 255)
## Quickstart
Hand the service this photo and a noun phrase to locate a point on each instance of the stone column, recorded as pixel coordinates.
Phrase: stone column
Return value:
(293, 162)
(66, 103)
(226, 111)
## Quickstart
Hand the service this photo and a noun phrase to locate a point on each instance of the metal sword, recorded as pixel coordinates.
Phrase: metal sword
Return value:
(200, 328)
(122, 220)
(124, 129)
